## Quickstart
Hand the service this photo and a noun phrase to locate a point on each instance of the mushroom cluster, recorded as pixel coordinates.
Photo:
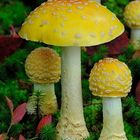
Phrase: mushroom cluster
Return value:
(111, 79)
(43, 67)
(71, 24)
(132, 19)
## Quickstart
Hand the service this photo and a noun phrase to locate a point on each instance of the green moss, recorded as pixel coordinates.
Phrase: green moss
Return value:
(48, 132)
(117, 7)
(12, 13)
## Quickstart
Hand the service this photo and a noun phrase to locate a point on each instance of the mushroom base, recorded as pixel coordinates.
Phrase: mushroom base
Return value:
(71, 131)
(113, 128)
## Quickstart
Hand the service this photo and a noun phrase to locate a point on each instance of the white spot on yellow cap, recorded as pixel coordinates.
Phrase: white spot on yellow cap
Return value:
(69, 10)
(92, 35)
(44, 11)
(102, 34)
(30, 21)
(80, 7)
(54, 13)
(36, 16)
(85, 3)
(44, 22)
(78, 35)
(84, 17)
(79, 2)
(62, 25)
(63, 33)
(65, 18)
(55, 30)
(69, 4)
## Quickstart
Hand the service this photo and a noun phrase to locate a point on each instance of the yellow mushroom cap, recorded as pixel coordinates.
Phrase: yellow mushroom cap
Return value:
(71, 23)
(43, 66)
(110, 78)
(132, 14)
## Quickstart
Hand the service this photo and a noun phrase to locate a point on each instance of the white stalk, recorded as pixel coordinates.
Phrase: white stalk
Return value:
(71, 125)
(135, 38)
(47, 98)
(113, 128)
(135, 34)
(98, 1)
(44, 88)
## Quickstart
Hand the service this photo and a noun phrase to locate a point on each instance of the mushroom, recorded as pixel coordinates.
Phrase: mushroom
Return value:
(111, 79)
(43, 68)
(132, 19)
(71, 24)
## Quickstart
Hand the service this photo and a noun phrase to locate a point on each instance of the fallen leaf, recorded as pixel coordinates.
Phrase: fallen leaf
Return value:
(9, 44)
(10, 104)
(21, 137)
(44, 121)
(19, 113)
(118, 45)
(115, 47)
(1, 137)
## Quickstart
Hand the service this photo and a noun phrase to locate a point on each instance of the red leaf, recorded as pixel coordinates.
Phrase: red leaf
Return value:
(117, 46)
(44, 121)
(138, 93)
(10, 104)
(21, 137)
(1, 137)
(9, 44)
(19, 113)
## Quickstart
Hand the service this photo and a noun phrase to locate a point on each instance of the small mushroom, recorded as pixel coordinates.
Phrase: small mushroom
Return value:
(111, 80)
(43, 68)
(132, 19)
(71, 24)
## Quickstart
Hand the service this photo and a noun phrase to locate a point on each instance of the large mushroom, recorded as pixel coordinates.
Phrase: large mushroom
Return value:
(132, 19)
(71, 24)
(43, 67)
(111, 80)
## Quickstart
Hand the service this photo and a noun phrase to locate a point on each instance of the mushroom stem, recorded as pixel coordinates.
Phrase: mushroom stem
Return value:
(71, 124)
(135, 38)
(135, 34)
(98, 1)
(113, 128)
(47, 98)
